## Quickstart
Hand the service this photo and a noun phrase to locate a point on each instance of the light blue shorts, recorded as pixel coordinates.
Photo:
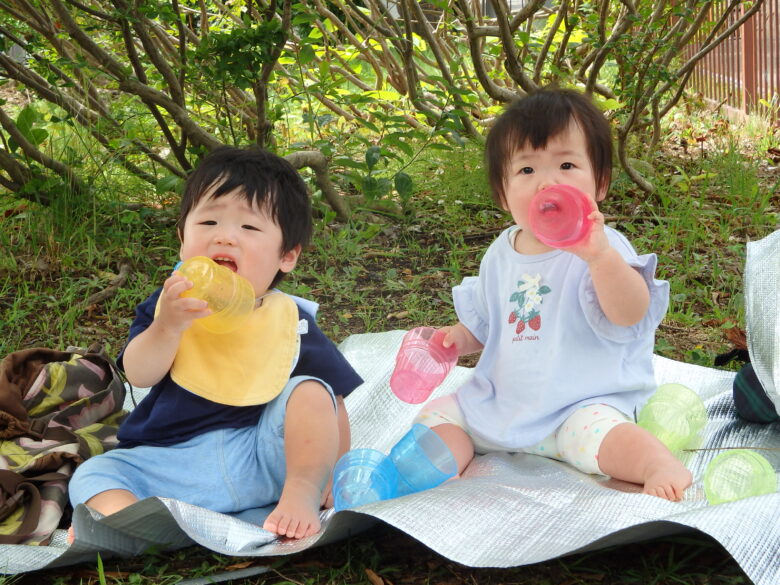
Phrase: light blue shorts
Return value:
(231, 471)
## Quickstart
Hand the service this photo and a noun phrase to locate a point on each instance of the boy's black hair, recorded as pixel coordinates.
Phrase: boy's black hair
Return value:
(535, 119)
(264, 179)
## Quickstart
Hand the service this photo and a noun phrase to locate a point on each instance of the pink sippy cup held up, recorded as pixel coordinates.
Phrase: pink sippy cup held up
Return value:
(421, 364)
(558, 216)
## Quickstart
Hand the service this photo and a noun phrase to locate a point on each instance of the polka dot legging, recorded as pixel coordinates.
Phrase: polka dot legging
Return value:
(577, 441)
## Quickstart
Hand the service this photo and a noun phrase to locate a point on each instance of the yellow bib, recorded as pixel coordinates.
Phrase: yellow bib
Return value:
(248, 366)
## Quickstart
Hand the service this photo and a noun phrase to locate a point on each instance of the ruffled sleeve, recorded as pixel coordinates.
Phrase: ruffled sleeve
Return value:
(470, 306)
(659, 302)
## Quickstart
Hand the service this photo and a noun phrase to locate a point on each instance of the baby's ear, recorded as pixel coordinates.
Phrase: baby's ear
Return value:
(290, 259)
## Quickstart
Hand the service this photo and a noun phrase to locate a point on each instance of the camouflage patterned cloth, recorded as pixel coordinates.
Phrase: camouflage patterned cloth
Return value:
(56, 410)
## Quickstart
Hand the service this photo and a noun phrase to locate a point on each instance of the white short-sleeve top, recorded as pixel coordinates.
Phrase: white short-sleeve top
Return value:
(548, 347)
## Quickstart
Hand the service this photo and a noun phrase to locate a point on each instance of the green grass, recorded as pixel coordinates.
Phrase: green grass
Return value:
(380, 272)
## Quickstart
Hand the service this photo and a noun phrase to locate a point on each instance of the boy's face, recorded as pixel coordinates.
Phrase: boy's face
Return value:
(238, 235)
(564, 160)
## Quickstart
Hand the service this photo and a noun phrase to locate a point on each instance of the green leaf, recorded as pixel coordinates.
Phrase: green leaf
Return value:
(37, 136)
(25, 121)
(404, 185)
(169, 183)
(400, 145)
(610, 104)
(369, 125)
(347, 162)
(437, 146)
(385, 185)
(374, 188)
(306, 54)
(373, 156)
(370, 187)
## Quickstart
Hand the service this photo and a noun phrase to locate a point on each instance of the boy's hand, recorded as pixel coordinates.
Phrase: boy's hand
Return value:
(176, 312)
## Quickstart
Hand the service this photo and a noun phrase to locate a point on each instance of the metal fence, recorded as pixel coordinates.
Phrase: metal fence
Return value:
(743, 72)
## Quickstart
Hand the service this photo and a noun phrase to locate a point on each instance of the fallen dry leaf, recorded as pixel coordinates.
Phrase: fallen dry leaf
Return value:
(398, 315)
(374, 578)
(238, 566)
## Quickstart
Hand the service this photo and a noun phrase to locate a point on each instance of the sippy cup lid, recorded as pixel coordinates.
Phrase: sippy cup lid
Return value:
(558, 216)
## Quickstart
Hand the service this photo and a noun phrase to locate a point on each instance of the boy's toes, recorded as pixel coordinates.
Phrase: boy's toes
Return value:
(313, 529)
(271, 524)
(309, 529)
(286, 527)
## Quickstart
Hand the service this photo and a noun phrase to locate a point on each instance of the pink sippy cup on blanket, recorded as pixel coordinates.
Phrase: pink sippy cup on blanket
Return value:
(558, 216)
(421, 364)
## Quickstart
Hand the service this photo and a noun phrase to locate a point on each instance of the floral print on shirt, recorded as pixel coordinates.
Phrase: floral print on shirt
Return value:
(526, 303)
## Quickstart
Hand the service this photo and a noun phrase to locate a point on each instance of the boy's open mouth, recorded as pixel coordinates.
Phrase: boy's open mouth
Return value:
(226, 262)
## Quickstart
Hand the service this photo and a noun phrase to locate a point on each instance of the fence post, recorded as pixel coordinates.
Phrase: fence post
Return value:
(749, 80)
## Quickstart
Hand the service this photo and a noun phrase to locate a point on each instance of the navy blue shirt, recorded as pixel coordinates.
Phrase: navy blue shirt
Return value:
(169, 414)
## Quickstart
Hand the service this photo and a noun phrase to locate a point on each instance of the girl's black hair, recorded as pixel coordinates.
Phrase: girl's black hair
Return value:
(535, 119)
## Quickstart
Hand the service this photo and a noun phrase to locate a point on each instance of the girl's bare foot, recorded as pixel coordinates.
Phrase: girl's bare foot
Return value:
(667, 479)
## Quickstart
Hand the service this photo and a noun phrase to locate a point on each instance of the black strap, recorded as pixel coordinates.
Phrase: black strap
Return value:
(735, 354)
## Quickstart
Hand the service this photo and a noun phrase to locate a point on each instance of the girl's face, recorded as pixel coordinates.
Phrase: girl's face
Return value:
(238, 235)
(564, 160)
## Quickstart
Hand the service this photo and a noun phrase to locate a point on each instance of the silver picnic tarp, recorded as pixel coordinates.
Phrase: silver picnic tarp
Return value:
(762, 312)
(506, 510)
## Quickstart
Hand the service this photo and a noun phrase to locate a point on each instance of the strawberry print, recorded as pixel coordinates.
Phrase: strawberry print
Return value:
(526, 302)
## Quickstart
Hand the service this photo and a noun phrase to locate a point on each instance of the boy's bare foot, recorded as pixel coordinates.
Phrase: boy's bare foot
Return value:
(71, 535)
(668, 479)
(298, 512)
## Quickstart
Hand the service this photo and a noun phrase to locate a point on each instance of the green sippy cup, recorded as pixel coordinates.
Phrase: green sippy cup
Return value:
(737, 474)
(675, 415)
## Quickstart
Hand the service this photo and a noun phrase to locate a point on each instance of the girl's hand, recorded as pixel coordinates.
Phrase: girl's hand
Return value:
(176, 312)
(596, 243)
(463, 340)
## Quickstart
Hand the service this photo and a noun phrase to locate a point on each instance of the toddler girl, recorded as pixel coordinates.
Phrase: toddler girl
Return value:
(566, 335)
